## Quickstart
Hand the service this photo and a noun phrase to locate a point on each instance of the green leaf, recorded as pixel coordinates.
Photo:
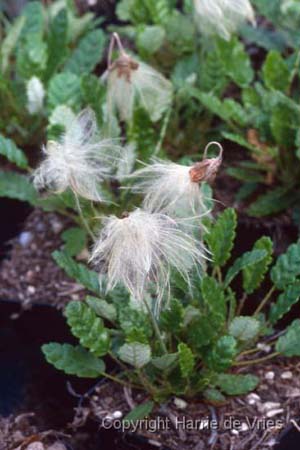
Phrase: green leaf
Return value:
(136, 354)
(64, 89)
(272, 202)
(32, 57)
(240, 140)
(34, 14)
(245, 261)
(150, 39)
(214, 297)
(93, 94)
(288, 344)
(186, 360)
(287, 267)
(214, 396)
(87, 327)
(264, 38)
(202, 331)
(236, 384)
(222, 355)
(254, 275)
(171, 319)
(220, 237)
(139, 412)
(234, 111)
(236, 62)
(246, 175)
(75, 240)
(9, 149)
(87, 54)
(244, 328)
(276, 73)
(141, 132)
(284, 113)
(79, 272)
(102, 308)
(285, 302)
(17, 186)
(57, 42)
(73, 360)
(164, 362)
(212, 103)
(10, 41)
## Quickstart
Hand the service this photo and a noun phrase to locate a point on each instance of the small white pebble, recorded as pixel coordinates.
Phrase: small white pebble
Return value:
(288, 375)
(31, 290)
(253, 398)
(269, 375)
(117, 414)
(268, 406)
(244, 427)
(264, 347)
(57, 446)
(25, 238)
(271, 443)
(234, 432)
(293, 393)
(181, 404)
(154, 443)
(56, 226)
(35, 446)
(274, 412)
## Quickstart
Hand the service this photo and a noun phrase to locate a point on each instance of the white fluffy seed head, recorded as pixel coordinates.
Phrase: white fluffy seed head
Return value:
(174, 188)
(35, 95)
(130, 82)
(141, 248)
(222, 17)
(80, 160)
(168, 187)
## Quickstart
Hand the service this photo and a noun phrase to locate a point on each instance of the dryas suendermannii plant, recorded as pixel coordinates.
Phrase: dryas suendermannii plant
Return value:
(164, 306)
(202, 336)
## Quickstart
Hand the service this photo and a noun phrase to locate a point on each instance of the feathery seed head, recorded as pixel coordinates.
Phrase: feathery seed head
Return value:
(222, 16)
(130, 81)
(174, 188)
(80, 160)
(141, 248)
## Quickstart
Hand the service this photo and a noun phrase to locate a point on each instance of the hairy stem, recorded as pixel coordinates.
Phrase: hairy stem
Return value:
(162, 132)
(83, 219)
(257, 360)
(155, 327)
(241, 304)
(264, 301)
(117, 380)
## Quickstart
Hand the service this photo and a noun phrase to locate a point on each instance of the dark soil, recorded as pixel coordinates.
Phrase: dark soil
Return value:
(276, 401)
(28, 273)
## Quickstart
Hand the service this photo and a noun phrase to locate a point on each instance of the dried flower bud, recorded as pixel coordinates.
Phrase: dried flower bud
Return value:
(130, 82)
